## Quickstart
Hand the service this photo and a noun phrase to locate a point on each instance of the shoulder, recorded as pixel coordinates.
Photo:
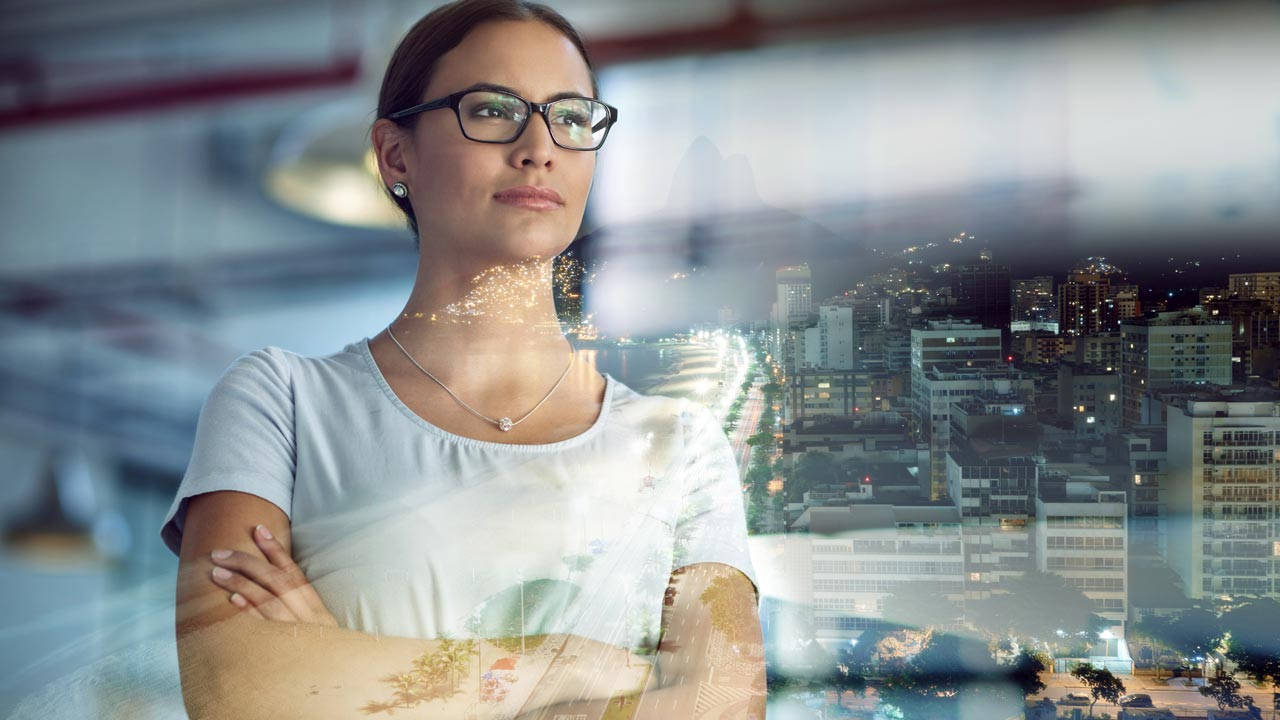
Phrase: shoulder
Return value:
(280, 367)
(266, 361)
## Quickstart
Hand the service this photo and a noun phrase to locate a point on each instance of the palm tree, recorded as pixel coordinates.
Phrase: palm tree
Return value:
(456, 659)
(407, 689)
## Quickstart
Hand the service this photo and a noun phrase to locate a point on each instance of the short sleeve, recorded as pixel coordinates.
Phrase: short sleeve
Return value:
(712, 525)
(244, 438)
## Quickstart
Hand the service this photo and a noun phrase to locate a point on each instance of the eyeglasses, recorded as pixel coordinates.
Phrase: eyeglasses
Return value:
(493, 116)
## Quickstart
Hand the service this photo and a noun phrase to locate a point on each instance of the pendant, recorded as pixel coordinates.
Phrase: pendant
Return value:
(504, 424)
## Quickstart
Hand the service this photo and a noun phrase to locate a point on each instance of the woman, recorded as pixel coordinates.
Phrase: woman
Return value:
(463, 474)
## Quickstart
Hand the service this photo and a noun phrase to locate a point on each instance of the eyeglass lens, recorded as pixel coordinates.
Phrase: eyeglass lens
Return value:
(496, 117)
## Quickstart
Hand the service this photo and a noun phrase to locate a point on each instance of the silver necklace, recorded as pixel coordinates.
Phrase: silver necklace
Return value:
(505, 423)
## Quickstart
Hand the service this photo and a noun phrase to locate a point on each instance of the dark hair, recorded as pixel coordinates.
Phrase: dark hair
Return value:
(439, 31)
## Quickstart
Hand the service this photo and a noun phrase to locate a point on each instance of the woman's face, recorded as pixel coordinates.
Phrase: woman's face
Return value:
(452, 180)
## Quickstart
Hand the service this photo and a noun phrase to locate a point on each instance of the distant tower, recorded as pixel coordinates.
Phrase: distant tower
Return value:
(1034, 300)
(1173, 348)
(795, 293)
(1082, 299)
(982, 290)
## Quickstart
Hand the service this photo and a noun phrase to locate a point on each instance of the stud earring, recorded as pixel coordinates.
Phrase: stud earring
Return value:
(399, 190)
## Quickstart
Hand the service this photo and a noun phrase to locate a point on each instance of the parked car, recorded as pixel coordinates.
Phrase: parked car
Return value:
(1136, 700)
(669, 597)
(1075, 698)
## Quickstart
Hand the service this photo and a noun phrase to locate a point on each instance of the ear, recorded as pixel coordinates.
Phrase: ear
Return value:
(391, 144)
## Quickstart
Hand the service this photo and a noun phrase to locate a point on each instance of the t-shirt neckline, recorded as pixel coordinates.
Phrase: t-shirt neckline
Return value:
(578, 439)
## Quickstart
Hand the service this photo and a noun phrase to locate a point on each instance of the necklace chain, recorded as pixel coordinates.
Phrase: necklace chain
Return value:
(504, 423)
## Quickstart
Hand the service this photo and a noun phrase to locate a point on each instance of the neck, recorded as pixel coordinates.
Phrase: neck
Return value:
(471, 326)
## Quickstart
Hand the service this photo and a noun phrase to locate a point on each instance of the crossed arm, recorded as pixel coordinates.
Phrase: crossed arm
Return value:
(280, 653)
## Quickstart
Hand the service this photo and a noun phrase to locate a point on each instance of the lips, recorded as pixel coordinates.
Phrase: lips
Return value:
(530, 193)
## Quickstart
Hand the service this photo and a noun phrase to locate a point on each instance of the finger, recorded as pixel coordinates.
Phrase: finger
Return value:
(266, 603)
(291, 583)
(299, 587)
(238, 600)
(272, 548)
(289, 587)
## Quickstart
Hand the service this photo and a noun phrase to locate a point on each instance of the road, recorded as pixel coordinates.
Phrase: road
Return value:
(1178, 694)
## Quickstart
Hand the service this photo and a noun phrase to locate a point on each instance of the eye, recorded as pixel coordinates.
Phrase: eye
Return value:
(498, 111)
(569, 117)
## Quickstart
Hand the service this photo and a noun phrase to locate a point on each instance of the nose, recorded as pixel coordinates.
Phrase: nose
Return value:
(543, 143)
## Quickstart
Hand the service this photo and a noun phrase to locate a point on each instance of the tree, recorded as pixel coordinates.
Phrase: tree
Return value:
(812, 469)
(1024, 672)
(928, 684)
(1225, 690)
(1154, 628)
(1253, 644)
(1101, 683)
(953, 672)
(920, 605)
(847, 676)
(1195, 633)
(729, 608)
(758, 476)
(1038, 605)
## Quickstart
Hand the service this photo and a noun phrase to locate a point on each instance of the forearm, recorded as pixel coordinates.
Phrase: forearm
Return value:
(653, 701)
(248, 668)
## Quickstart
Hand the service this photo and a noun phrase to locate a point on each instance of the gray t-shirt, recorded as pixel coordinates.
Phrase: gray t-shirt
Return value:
(406, 529)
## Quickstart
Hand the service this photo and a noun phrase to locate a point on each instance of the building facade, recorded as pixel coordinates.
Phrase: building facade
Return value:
(1223, 495)
(1172, 348)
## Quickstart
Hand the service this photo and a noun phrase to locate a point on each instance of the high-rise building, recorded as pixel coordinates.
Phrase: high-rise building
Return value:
(1095, 298)
(954, 344)
(1145, 449)
(1035, 306)
(991, 477)
(1102, 350)
(1082, 535)
(838, 335)
(1173, 348)
(936, 391)
(1255, 335)
(1120, 304)
(795, 294)
(1255, 286)
(1080, 301)
(1090, 397)
(938, 349)
(858, 555)
(1223, 494)
(982, 290)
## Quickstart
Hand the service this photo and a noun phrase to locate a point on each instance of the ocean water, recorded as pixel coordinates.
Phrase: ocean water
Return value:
(640, 367)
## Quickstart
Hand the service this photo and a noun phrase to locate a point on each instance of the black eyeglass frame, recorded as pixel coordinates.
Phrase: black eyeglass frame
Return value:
(454, 100)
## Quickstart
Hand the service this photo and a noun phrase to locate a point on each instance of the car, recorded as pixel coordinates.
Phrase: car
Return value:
(1136, 700)
(1075, 698)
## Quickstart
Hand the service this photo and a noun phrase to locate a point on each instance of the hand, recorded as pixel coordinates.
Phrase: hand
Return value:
(272, 589)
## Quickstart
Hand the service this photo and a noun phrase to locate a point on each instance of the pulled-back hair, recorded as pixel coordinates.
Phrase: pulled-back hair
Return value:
(439, 31)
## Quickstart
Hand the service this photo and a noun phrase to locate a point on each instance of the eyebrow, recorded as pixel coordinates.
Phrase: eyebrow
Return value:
(503, 88)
